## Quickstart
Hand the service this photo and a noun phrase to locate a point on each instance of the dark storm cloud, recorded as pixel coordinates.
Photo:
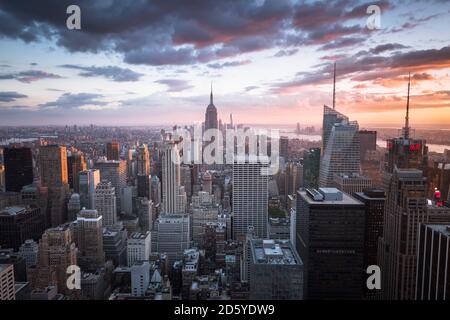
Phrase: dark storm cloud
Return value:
(179, 32)
(29, 76)
(175, 85)
(8, 96)
(111, 72)
(74, 100)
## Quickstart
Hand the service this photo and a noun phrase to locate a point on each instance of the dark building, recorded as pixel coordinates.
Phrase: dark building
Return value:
(112, 150)
(143, 186)
(114, 245)
(18, 168)
(311, 168)
(367, 142)
(374, 207)
(330, 241)
(211, 115)
(18, 224)
(284, 147)
(75, 164)
(276, 271)
(433, 273)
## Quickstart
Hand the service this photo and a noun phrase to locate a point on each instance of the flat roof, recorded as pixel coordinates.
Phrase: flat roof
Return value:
(346, 200)
(12, 211)
(442, 228)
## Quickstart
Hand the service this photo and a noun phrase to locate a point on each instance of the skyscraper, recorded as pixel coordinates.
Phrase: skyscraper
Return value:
(433, 268)
(173, 194)
(89, 240)
(53, 165)
(53, 174)
(330, 241)
(367, 142)
(115, 172)
(172, 235)
(88, 181)
(373, 200)
(57, 251)
(105, 203)
(250, 197)
(311, 168)
(143, 172)
(405, 209)
(341, 153)
(18, 168)
(112, 150)
(75, 164)
(211, 114)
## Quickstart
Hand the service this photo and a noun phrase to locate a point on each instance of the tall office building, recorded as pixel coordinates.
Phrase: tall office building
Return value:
(88, 181)
(54, 175)
(341, 154)
(105, 203)
(250, 198)
(89, 240)
(311, 168)
(75, 164)
(330, 240)
(138, 247)
(276, 271)
(405, 209)
(173, 194)
(18, 168)
(140, 278)
(284, 147)
(172, 235)
(115, 172)
(112, 151)
(211, 114)
(53, 165)
(18, 224)
(367, 142)
(330, 118)
(7, 284)
(433, 267)
(57, 251)
(373, 200)
(143, 172)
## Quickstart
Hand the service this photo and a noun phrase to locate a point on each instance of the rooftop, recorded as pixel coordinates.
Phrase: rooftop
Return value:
(12, 211)
(327, 196)
(277, 252)
(442, 228)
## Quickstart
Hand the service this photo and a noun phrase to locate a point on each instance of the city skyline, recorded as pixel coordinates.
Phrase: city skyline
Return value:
(270, 62)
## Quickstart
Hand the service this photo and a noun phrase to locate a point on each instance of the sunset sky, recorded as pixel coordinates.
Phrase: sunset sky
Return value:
(152, 62)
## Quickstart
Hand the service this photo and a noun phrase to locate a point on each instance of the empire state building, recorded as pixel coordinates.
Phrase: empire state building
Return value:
(211, 114)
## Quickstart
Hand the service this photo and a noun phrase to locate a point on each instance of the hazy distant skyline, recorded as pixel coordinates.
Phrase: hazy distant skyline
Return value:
(152, 62)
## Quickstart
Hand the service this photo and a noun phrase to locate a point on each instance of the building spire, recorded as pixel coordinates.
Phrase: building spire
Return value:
(211, 95)
(406, 132)
(334, 87)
